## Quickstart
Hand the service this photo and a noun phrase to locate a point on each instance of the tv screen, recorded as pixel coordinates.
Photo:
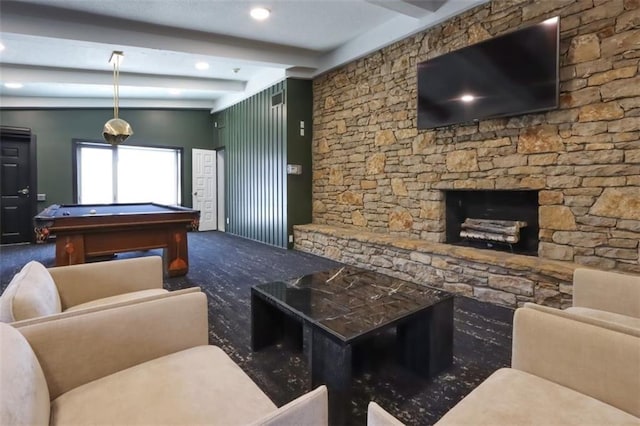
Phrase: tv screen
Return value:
(512, 74)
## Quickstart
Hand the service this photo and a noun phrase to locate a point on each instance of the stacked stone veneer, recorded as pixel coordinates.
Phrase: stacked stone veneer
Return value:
(497, 277)
(375, 171)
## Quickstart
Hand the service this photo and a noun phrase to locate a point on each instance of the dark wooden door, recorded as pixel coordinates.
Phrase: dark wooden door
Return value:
(17, 185)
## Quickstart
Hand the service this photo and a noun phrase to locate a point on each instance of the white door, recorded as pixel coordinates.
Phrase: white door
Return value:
(221, 211)
(203, 172)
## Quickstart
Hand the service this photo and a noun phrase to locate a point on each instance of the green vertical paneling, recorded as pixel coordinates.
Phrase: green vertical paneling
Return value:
(263, 202)
(254, 136)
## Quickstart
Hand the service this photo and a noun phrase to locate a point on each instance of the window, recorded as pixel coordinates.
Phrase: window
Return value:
(127, 174)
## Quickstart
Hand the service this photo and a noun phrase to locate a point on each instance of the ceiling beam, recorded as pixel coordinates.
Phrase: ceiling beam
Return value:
(430, 5)
(32, 74)
(54, 22)
(54, 102)
(413, 8)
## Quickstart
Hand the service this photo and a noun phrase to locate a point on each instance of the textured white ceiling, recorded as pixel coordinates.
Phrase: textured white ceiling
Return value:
(59, 49)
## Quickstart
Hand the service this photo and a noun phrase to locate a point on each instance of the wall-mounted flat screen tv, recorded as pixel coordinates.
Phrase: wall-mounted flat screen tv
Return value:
(511, 74)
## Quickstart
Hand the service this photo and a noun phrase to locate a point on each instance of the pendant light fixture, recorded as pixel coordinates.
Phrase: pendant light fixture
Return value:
(116, 130)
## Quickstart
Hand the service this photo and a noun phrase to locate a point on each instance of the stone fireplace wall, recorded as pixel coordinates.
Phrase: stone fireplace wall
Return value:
(373, 170)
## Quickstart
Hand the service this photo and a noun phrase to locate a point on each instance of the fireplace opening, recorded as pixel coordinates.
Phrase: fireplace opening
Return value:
(496, 220)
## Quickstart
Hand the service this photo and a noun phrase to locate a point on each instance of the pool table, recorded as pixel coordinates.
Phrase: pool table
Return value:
(89, 230)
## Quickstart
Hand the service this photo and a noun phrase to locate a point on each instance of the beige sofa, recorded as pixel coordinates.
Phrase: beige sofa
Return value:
(565, 369)
(37, 291)
(146, 363)
(606, 295)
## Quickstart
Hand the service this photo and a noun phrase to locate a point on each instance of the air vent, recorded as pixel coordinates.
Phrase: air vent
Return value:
(277, 99)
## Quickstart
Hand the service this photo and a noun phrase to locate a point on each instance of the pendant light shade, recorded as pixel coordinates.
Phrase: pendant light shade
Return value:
(116, 130)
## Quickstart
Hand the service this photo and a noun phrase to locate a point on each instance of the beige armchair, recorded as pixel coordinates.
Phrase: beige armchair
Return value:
(146, 363)
(377, 416)
(37, 291)
(565, 369)
(606, 295)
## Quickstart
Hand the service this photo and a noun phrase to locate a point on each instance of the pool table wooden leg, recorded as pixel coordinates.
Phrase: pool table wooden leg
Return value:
(70, 250)
(176, 253)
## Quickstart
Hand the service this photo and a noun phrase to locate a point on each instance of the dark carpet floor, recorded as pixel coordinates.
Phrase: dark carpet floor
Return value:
(226, 267)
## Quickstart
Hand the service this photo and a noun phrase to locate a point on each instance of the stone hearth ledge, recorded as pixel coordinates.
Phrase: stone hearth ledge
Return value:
(494, 276)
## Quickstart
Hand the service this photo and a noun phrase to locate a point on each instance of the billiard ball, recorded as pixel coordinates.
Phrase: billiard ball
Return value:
(66, 213)
(92, 211)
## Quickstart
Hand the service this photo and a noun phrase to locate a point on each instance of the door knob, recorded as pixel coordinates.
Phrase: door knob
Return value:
(24, 191)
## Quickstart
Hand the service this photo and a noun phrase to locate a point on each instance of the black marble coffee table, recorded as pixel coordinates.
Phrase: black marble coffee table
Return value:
(341, 307)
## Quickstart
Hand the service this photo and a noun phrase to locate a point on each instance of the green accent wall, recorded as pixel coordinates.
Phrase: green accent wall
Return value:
(299, 102)
(56, 128)
(260, 139)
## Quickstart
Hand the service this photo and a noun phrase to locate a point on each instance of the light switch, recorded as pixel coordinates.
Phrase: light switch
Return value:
(294, 169)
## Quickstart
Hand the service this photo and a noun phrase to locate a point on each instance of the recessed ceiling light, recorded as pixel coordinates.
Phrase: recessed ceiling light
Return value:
(174, 91)
(202, 66)
(467, 98)
(1, 47)
(13, 85)
(260, 13)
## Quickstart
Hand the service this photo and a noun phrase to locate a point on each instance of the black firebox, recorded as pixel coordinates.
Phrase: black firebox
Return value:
(499, 205)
